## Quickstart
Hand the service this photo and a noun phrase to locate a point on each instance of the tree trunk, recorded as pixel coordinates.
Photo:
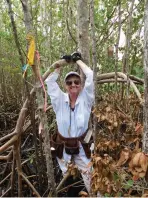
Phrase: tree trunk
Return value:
(117, 42)
(83, 30)
(145, 136)
(125, 68)
(27, 17)
(15, 31)
(51, 32)
(94, 62)
(128, 39)
(40, 101)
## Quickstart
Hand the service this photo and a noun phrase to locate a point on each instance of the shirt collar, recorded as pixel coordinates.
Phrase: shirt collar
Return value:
(66, 98)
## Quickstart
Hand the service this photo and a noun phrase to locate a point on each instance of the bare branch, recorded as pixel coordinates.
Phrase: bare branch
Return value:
(122, 75)
(8, 144)
(6, 192)
(15, 31)
(11, 172)
(30, 185)
(62, 181)
(7, 136)
(114, 81)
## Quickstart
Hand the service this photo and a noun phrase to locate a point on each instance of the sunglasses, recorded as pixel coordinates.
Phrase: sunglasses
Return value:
(70, 82)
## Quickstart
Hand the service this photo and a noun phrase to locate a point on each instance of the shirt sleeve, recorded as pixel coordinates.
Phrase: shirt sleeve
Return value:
(54, 90)
(89, 85)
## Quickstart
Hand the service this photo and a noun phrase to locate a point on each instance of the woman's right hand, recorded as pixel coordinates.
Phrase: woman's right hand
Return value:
(76, 56)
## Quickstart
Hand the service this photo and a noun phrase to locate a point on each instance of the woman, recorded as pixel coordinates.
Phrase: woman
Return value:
(72, 111)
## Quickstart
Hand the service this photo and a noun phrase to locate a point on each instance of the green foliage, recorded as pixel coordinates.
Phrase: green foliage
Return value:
(116, 177)
(53, 38)
(52, 23)
(107, 195)
(128, 185)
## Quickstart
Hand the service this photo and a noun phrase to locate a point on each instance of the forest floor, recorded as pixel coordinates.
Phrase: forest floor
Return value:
(118, 164)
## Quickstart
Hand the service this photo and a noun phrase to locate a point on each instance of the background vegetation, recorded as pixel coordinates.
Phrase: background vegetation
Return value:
(55, 27)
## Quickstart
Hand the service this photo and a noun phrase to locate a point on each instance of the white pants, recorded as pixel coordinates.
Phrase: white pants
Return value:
(82, 166)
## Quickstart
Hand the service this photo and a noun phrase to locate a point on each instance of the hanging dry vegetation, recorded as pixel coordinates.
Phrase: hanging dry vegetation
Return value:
(119, 166)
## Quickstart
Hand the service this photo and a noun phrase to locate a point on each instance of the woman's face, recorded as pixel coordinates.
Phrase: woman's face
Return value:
(73, 85)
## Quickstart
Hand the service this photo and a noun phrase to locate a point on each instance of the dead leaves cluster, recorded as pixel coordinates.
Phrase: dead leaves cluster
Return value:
(124, 156)
(108, 115)
(120, 136)
(108, 175)
(102, 176)
(73, 170)
(106, 144)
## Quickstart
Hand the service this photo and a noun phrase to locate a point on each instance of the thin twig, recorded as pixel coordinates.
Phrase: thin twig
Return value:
(63, 189)
(7, 136)
(16, 154)
(8, 144)
(11, 172)
(6, 192)
(70, 32)
(62, 181)
(30, 185)
(12, 178)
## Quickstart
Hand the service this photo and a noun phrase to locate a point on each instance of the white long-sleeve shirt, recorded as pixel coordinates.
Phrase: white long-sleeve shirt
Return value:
(61, 105)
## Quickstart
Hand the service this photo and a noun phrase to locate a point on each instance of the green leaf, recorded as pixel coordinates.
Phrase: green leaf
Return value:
(31, 160)
(115, 176)
(119, 194)
(129, 184)
(107, 195)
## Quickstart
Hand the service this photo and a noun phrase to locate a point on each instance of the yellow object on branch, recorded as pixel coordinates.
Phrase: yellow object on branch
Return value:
(31, 50)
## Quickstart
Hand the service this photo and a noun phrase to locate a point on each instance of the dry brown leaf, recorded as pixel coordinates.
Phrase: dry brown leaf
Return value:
(104, 172)
(138, 165)
(143, 161)
(110, 128)
(106, 181)
(110, 121)
(138, 169)
(145, 191)
(142, 174)
(134, 172)
(103, 117)
(115, 124)
(145, 195)
(139, 128)
(83, 194)
(99, 180)
(97, 159)
(95, 175)
(73, 172)
(136, 159)
(107, 143)
(108, 109)
(124, 156)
